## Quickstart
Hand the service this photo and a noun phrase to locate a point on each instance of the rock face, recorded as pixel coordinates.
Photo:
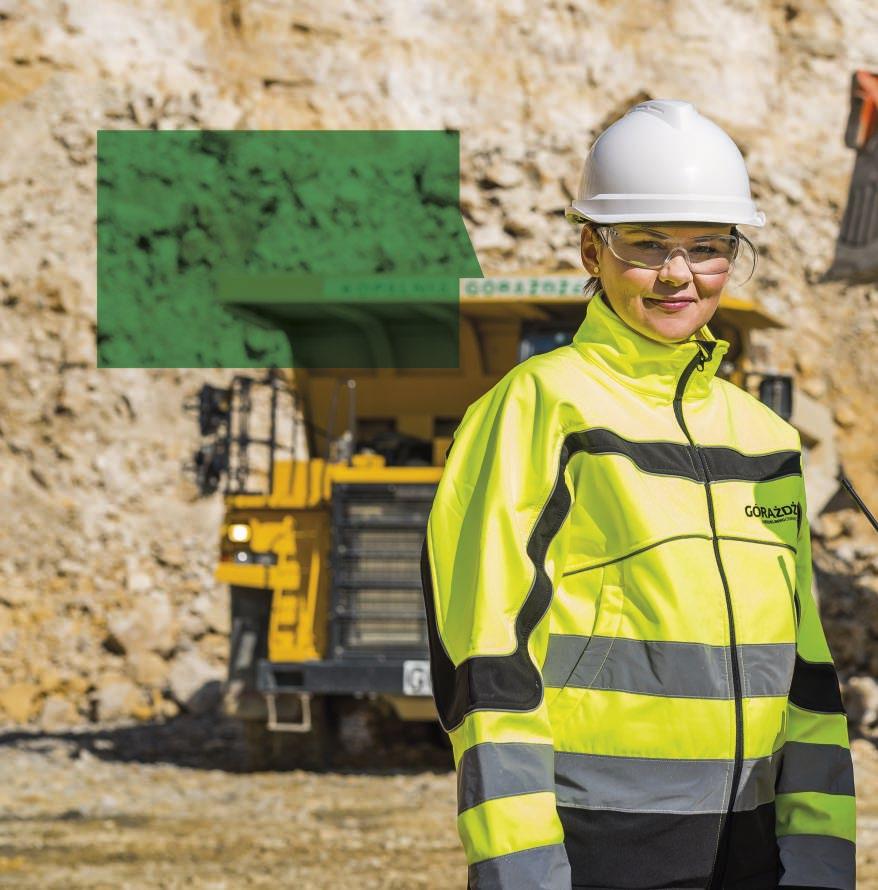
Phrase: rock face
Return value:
(108, 609)
(150, 626)
(194, 683)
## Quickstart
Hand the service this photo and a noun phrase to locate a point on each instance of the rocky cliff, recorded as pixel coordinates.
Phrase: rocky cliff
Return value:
(108, 609)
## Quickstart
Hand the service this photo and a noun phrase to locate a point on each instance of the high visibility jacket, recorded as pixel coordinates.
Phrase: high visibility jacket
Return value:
(625, 649)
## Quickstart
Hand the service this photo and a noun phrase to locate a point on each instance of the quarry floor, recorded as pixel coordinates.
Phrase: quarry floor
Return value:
(167, 806)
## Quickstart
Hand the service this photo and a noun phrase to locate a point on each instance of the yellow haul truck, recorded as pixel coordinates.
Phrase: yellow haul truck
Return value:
(326, 504)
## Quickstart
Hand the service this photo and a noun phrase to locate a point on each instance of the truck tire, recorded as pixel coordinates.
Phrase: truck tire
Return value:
(359, 735)
(269, 750)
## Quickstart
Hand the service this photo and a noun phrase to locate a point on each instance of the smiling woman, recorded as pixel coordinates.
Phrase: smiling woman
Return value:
(664, 282)
(626, 254)
(624, 646)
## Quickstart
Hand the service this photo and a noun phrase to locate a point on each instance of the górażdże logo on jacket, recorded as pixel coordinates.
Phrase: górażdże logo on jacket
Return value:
(773, 514)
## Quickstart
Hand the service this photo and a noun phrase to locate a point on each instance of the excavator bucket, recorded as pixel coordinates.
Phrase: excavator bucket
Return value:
(856, 252)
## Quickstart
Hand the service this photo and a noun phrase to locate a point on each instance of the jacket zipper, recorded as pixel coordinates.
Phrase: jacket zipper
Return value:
(718, 870)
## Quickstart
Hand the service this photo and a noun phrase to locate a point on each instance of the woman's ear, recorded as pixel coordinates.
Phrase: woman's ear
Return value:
(589, 251)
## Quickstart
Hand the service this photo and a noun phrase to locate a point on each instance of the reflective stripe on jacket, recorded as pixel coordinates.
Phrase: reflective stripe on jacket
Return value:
(625, 649)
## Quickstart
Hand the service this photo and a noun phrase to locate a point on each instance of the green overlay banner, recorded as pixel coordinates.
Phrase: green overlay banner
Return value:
(311, 249)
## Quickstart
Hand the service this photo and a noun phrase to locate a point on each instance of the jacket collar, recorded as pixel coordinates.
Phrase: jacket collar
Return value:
(643, 364)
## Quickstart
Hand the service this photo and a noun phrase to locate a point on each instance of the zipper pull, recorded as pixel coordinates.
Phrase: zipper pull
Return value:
(705, 349)
(702, 356)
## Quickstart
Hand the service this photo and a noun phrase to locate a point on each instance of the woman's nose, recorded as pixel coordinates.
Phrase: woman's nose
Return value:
(676, 270)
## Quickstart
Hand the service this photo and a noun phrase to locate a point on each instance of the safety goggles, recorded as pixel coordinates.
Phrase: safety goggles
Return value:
(650, 249)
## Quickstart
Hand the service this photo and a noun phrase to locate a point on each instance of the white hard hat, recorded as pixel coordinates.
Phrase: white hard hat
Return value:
(664, 162)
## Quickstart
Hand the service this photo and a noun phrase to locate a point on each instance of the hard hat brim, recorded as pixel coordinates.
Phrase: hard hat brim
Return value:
(674, 209)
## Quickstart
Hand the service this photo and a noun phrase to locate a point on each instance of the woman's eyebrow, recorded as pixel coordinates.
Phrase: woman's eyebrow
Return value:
(667, 235)
(651, 231)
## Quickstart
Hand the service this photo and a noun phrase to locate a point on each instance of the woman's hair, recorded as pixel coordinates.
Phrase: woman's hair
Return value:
(751, 245)
(593, 286)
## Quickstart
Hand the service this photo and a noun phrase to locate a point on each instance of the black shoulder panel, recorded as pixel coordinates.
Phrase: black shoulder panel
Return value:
(499, 682)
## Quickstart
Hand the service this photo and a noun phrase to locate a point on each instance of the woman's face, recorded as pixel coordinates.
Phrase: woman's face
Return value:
(667, 304)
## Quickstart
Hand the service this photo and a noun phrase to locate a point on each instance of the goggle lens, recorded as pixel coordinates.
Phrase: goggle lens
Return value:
(707, 256)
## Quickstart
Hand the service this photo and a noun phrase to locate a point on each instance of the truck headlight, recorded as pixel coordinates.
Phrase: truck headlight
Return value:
(239, 533)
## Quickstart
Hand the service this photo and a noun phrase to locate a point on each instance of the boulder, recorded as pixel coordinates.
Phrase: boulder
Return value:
(18, 701)
(58, 714)
(214, 609)
(150, 626)
(195, 684)
(861, 700)
(147, 669)
(116, 698)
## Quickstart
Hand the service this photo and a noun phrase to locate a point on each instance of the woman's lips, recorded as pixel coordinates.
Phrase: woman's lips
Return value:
(669, 305)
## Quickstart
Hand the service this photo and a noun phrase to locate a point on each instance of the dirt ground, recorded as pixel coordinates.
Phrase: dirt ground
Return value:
(166, 806)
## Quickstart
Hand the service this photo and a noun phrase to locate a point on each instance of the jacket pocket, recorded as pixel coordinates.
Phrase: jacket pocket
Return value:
(599, 644)
(788, 574)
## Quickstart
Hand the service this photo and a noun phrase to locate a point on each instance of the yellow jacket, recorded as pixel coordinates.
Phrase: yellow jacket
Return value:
(625, 649)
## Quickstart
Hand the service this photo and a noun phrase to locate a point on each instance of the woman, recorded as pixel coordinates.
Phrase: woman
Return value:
(624, 645)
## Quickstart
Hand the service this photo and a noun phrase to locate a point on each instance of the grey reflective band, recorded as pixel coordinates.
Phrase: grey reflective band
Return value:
(656, 458)
(728, 464)
(491, 770)
(766, 668)
(562, 656)
(671, 669)
(538, 868)
(500, 769)
(817, 860)
(812, 767)
(648, 784)
(661, 458)
(578, 662)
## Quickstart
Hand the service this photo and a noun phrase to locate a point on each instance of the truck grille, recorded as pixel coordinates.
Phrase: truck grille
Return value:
(376, 601)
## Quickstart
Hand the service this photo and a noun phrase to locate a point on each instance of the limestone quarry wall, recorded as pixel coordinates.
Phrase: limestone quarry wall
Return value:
(107, 604)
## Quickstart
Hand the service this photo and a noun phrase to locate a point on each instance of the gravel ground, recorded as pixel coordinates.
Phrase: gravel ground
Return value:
(167, 806)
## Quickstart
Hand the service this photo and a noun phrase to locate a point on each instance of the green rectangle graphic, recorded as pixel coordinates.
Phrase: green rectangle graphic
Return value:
(255, 249)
